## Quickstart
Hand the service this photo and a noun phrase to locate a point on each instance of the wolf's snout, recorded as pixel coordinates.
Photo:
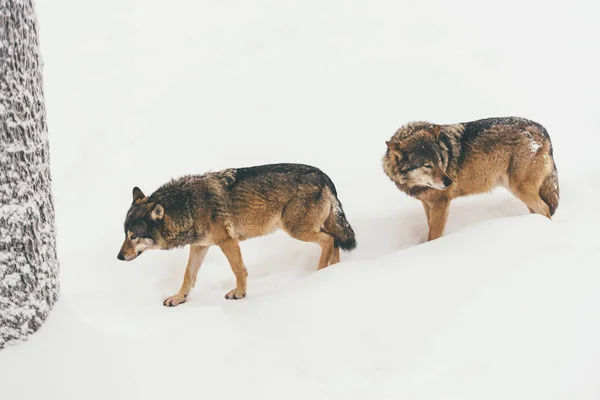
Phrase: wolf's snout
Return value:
(447, 181)
(121, 257)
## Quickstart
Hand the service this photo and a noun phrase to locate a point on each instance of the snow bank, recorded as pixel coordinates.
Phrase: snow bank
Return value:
(502, 309)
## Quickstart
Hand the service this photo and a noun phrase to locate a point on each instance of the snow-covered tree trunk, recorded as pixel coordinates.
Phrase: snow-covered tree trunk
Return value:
(28, 263)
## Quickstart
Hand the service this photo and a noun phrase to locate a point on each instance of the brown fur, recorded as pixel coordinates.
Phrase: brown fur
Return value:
(224, 208)
(438, 163)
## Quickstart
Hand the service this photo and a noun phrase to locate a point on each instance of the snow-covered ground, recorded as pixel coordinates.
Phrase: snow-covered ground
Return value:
(505, 306)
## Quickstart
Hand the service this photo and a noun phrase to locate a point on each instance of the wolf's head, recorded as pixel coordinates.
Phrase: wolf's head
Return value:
(142, 227)
(416, 158)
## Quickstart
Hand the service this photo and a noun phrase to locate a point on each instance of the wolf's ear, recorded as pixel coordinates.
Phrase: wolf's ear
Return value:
(137, 194)
(158, 212)
(394, 148)
(435, 131)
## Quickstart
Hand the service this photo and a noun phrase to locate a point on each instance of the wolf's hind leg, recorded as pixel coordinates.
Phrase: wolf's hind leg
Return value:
(525, 184)
(197, 254)
(529, 194)
(534, 203)
(322, 239)
(231, 249)
(303, 219)
(335, 256)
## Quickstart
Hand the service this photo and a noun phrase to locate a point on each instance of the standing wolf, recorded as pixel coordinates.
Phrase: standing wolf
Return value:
(437, 163)
(226, 207)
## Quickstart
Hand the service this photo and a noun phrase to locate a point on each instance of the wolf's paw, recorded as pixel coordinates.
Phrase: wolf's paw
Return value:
(235, 294)
(174, 301)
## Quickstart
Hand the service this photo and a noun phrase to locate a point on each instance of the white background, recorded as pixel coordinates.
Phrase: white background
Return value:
(137, 92)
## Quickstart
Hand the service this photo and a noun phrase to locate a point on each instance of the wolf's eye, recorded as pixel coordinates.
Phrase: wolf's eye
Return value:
(133, 237)
(427, 166)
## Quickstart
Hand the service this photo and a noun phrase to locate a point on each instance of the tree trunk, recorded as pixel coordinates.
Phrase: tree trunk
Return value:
(28, 264)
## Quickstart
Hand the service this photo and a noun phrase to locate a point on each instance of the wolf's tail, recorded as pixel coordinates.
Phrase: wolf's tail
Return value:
(549, 191)
(338, 226)
(336, 223)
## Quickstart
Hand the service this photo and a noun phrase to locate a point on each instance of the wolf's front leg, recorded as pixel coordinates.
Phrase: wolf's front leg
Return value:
(197, 254)
(231, 249)
(426, 208)
(438, 214)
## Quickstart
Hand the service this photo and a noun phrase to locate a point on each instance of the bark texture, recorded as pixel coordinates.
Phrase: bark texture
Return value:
(28, 262)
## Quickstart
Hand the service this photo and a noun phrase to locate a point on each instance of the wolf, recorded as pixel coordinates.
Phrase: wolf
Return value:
(226, 207)
(437, 163)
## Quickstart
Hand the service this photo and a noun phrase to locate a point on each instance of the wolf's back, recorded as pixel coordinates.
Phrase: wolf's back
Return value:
(284, 180)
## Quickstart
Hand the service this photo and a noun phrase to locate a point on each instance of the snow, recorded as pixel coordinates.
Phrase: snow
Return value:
(504, 306)
(533, 144)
